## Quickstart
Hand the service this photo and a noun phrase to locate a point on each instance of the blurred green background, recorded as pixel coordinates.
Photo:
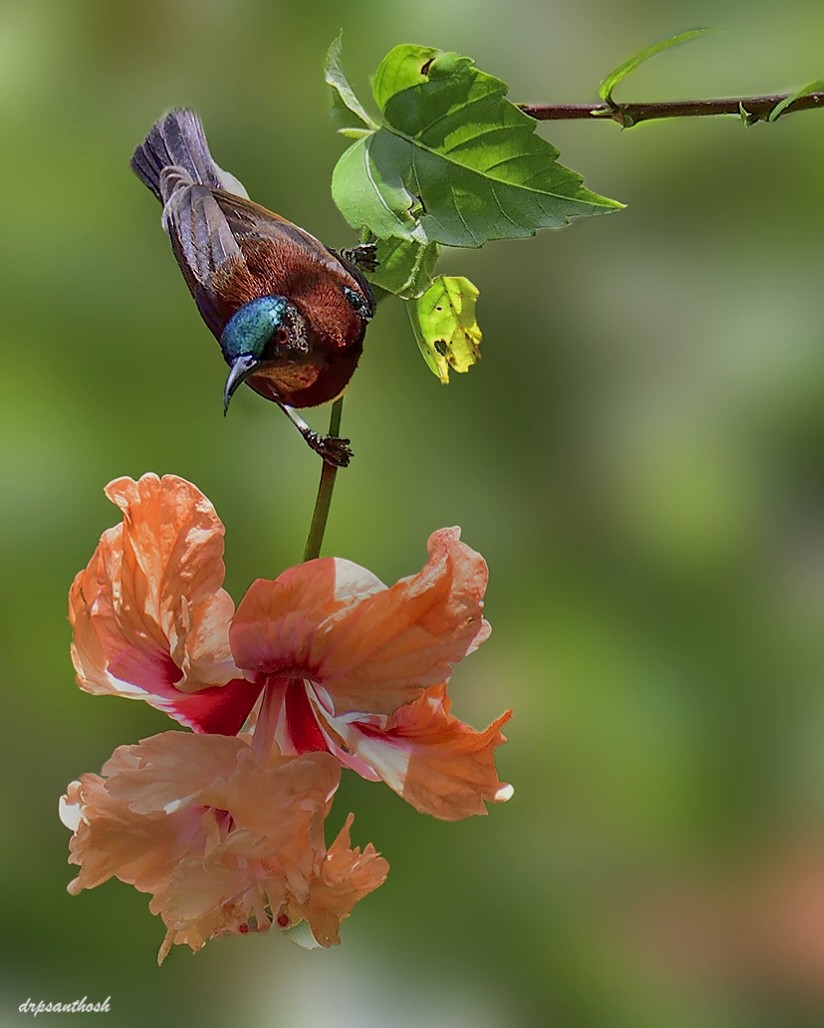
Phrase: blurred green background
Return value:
(639, 456)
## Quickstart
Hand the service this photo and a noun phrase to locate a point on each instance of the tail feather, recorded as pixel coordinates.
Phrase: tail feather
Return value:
(178, 140)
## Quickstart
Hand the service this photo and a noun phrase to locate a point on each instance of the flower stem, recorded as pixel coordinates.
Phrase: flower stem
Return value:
(326, 486)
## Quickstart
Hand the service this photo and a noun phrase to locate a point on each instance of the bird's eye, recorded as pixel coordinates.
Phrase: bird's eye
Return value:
(281, 335)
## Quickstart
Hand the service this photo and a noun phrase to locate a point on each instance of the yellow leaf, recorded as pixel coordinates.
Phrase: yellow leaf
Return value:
(445, 327)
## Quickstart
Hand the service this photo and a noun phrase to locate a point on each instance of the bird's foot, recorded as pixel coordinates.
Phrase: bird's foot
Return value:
(364, 256)
(333, 450)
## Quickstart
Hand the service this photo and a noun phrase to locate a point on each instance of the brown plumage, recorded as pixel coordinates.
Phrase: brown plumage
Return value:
(301, 345)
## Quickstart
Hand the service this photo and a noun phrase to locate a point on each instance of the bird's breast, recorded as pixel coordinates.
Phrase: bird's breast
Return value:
(287, 376)
(305, 382)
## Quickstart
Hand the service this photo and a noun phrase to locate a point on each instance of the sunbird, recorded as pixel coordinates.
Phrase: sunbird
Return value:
(289, 313)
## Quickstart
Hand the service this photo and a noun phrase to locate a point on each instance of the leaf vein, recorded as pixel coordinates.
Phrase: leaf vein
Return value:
(368, 168)
(472, 235)
(508, 217)
(507, 130)
(419, 187)
(510, 159)
(564, 174)
(458, 111)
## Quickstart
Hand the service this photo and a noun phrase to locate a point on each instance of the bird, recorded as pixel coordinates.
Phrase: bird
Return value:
(288, 312)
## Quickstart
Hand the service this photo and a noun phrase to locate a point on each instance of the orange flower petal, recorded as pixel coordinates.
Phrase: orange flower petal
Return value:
(379, 654)
(278, 624)
(109, 841)
(432, 760)
(372, 649)
(224, 843)
(165, 772)
(343, 878)
(149, 615)
(273, 630)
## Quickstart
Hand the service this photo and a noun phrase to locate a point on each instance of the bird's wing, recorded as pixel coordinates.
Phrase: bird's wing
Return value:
(232, 250)
(203, 244)
(197, 226)
(249, 220)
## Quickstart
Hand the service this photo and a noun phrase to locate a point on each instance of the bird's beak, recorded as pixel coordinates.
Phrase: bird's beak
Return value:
(242, 368)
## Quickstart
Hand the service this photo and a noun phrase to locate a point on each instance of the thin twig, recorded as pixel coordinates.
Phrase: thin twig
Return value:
(754, 108)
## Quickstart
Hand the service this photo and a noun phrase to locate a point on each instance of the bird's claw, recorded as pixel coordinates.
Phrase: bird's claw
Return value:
(333, 450)
(364, 256)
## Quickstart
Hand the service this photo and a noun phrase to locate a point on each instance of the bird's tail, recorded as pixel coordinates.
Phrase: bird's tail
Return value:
(178, 140)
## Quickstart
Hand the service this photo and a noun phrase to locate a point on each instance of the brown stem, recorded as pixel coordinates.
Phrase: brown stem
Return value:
(756, 108)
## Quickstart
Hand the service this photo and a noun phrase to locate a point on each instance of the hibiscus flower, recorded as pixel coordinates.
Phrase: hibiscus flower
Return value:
(225, 840)
(323, 659)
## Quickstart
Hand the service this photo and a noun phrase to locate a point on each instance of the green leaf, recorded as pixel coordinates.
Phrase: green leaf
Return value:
(778, 110)
(404, 267)
(453, 161)
(611, 81)
(444, 323)
(402, 69)
(347, 112)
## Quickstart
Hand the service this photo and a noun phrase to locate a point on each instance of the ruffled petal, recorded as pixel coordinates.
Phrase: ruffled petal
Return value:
(110, 841)
(225, 843)
(379, 654)
(431, 759)
(273, 627)
(372, 649)
(343, 878)
(278, 623)
(149, 615)
(166, 772)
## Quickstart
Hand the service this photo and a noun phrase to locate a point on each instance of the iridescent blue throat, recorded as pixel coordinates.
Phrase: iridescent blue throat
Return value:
(250, 328)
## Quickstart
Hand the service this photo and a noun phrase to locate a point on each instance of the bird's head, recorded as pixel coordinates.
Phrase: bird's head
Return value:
(261, 332)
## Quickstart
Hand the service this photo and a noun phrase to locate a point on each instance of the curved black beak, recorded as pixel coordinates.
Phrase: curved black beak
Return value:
(242, 367)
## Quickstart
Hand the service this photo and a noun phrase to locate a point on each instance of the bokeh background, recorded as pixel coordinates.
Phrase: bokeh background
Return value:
(638, 456)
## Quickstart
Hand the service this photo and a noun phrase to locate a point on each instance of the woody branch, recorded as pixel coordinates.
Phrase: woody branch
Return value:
(754, 108)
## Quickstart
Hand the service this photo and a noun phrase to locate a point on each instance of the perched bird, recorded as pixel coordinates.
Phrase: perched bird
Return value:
(289, 313)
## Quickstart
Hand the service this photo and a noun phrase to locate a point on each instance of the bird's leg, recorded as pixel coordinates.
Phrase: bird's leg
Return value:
(364, 256)
(332, 449)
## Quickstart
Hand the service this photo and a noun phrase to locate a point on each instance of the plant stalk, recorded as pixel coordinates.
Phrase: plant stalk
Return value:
(326, 487)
